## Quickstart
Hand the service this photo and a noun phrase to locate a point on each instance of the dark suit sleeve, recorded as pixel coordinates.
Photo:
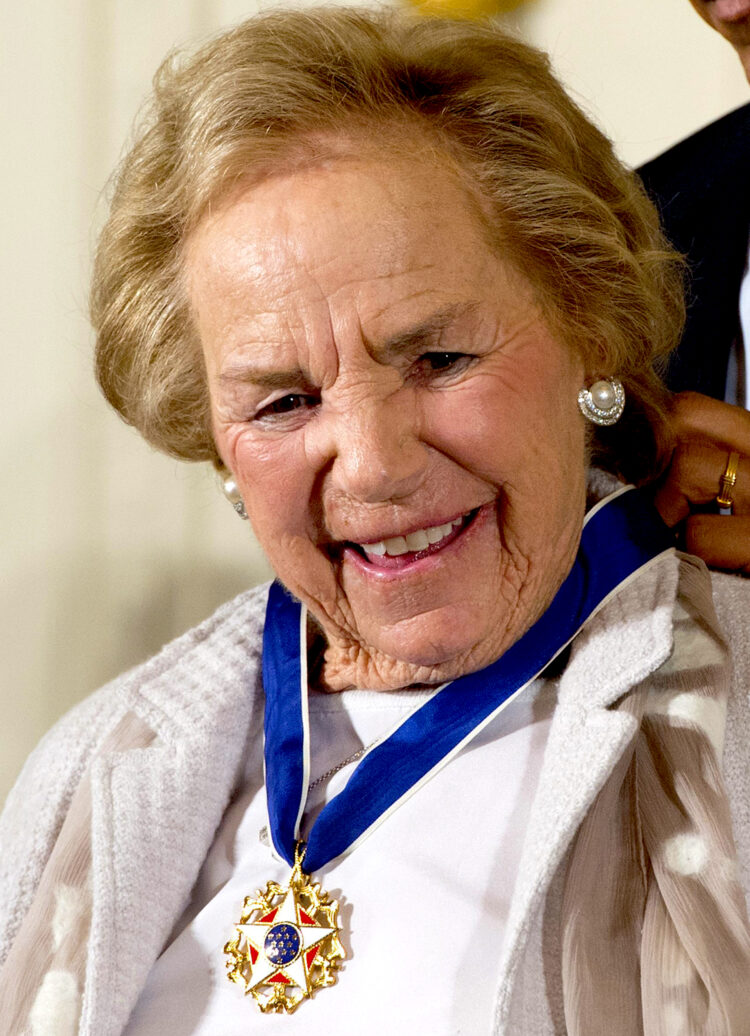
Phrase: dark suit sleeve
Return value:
(701, 187)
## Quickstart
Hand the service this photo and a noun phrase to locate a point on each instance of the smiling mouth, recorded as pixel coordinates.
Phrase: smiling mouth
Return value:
(415, 545)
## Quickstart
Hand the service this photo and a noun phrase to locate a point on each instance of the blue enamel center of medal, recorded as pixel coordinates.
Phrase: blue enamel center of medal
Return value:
(282, 943)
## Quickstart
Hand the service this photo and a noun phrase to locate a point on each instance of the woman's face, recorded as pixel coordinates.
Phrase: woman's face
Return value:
(401, 423)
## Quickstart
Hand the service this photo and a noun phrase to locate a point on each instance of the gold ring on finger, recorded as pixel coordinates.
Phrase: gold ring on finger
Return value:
(724, 501)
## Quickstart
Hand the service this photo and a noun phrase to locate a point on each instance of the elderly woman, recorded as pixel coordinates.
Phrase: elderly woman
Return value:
(462, 763)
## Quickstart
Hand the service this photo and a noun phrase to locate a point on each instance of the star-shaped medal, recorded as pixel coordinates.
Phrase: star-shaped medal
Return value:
(287, 944)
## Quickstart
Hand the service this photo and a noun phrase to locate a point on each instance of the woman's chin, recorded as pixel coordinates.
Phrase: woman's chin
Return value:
(436, 650)
(421, 652)
(380, 672)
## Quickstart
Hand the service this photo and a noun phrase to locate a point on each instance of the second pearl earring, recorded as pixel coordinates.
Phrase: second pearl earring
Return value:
(232, 493)
(604, 402)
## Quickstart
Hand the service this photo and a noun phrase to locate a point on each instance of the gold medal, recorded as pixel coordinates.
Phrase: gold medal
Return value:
(287, 943)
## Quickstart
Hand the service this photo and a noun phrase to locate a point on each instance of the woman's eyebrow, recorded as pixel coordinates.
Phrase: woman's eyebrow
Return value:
(247, 373)
(421, 334)
(425, 332)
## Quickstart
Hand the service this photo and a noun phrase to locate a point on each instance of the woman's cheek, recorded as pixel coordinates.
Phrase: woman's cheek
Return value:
(473, 427)
(275, 478)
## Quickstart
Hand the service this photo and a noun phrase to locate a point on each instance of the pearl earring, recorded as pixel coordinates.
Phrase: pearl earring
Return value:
(604, 402)
(232, 493)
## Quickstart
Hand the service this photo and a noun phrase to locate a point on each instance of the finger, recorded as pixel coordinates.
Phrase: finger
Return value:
(700, 417)
(694, 479)
(722, 542)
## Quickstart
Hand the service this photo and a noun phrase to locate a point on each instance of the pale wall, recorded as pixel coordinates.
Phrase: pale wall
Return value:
(108, 548)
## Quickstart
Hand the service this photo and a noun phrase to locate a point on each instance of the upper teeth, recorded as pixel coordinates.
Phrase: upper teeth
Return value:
(413, 541)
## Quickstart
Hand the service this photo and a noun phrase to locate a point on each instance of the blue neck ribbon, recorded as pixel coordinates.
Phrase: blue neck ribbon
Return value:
(621, 535)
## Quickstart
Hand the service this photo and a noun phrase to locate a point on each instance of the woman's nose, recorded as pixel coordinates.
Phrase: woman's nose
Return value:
(377, 453)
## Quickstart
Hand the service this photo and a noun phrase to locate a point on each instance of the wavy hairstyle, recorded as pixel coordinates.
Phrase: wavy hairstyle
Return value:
(556, 200)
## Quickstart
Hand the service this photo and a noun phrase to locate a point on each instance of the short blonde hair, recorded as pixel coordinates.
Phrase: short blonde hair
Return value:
(556, 200)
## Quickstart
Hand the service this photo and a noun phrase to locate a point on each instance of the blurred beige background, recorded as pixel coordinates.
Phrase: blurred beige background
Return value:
(109, 550)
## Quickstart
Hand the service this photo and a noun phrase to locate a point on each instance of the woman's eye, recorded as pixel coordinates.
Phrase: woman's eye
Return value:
(286, 405)
(443, 362)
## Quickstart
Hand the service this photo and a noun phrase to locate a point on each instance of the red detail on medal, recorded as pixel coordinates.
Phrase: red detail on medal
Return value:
(253, 953)
(278, 977)
(268, 917)
(311, 955)
(305, 918)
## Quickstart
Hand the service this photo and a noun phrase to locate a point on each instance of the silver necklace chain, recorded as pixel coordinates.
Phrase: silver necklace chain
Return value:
(335, 769)
(263, 834)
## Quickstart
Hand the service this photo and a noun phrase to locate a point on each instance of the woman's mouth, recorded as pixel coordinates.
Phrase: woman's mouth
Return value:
(397, 552)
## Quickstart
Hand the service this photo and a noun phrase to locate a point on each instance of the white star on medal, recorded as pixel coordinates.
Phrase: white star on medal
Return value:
(310, 935)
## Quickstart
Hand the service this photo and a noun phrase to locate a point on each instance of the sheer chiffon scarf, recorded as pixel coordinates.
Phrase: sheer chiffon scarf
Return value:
(655, 937)
(42, 980)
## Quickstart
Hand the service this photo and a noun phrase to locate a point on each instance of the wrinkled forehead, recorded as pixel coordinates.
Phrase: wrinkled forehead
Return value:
(379, 197)
(387, 204)
(324, 225)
